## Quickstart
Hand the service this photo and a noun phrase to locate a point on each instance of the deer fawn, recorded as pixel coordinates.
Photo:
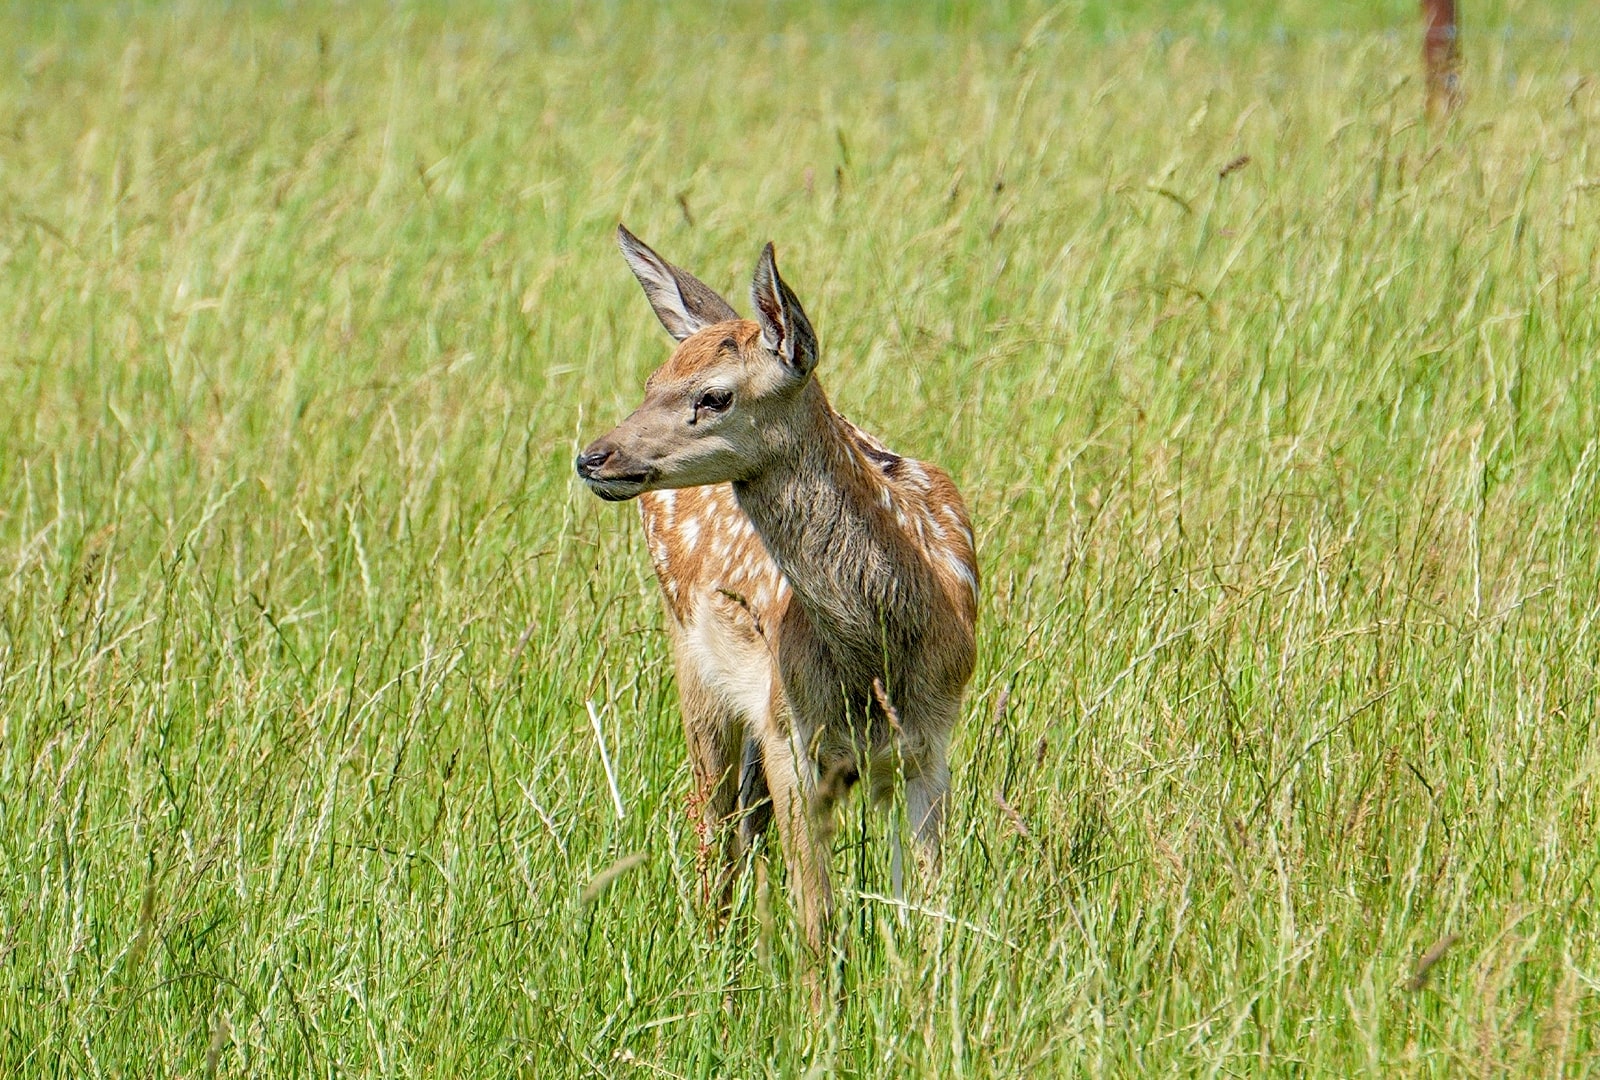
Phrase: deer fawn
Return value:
(822, 591)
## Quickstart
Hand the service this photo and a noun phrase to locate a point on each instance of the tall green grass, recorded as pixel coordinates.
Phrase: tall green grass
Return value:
(1287, 487)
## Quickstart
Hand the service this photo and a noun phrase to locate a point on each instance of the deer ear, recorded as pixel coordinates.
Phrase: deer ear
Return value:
(681, 301)
(785, 330)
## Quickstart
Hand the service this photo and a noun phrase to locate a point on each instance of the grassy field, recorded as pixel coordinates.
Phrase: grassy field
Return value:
(1286, 485)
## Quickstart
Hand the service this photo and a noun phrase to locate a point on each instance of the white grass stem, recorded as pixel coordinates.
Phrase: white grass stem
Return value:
(941, 916)
(605, 759)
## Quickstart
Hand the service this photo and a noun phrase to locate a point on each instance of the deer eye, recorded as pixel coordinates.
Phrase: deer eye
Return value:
(714, 400)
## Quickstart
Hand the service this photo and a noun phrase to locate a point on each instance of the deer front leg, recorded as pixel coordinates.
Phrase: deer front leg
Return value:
(804, 787)
(928, 782)
(923, 768)
(804, 816)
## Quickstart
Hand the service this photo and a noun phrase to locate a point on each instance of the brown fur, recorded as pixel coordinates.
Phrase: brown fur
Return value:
(822, 590)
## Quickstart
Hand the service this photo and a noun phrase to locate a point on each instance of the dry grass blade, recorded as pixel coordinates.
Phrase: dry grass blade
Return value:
(1435, 953)
(889, 711)
(1013, 816)
(608, 877)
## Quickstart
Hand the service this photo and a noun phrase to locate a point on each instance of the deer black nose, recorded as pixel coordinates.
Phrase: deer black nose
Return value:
(590, 460)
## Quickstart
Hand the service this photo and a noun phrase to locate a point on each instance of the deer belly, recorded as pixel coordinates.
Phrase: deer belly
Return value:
(730, 655)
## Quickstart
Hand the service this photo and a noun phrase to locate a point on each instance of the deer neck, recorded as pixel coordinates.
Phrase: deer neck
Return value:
(819, 509)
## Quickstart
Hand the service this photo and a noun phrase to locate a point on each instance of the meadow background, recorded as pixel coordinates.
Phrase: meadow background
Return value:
(1282, 753)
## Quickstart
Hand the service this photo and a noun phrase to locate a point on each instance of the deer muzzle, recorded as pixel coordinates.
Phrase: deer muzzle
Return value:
(609, 473)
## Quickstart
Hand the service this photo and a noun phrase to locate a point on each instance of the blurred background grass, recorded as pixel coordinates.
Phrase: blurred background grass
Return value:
(1285, 483)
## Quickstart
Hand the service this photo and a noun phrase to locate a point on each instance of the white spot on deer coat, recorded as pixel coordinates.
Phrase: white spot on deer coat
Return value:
(962, 571)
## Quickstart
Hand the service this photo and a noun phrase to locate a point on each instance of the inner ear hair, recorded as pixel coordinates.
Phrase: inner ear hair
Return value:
(785, 329)
(682, 302)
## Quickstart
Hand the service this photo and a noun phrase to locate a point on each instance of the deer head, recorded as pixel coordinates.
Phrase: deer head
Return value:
(715, 411)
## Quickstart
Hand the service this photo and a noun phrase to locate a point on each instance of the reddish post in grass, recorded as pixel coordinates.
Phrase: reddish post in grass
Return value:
(1441, 56)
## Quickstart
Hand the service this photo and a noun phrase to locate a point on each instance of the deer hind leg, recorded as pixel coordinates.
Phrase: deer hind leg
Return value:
(712, 729)
(725, 680)
(755, 802)
(926, 795)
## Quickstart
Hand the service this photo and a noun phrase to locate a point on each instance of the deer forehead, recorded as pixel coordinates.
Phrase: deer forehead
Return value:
(728, 350)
